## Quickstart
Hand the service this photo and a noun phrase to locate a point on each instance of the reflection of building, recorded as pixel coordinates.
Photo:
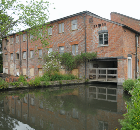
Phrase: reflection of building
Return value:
(40, 113)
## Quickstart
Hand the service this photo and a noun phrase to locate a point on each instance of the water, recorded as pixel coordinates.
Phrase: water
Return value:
(91, 107)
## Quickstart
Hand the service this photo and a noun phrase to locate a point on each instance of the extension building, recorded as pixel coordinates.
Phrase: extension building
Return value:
(116, 42)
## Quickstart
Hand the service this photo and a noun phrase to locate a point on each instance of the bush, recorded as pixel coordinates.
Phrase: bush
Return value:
(57, 76)
(131, 119)
(35, 82)
(128, 85)
(3, 84)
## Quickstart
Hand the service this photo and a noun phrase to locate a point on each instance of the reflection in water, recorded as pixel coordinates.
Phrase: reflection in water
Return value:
(94, 107)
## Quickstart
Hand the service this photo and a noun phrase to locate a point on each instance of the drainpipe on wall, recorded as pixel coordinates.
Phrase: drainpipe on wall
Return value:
(14, 56)
(85, 41)
(136, 58)
(27, 54)
(20, 71)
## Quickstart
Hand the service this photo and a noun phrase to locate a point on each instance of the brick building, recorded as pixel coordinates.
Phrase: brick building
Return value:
(116, 42)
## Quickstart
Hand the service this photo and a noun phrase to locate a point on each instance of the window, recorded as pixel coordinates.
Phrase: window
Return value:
(49, 51)
(61, 27)
(11, 56)
(50, 31)
(24, 71)
(31, 54)
(17, 56)
(11, 40)
(40, 53)
(103, 125)
(74, 24)
(17, 39)
(40, 73)
(61, 49)
(75, 49)
(103, 39)
(31, 36)
(24, 54)
(6, 57)
(24, 37)
(32, 72)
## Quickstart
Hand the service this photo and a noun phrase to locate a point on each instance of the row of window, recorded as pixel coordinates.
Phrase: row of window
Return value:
(61, 30)
(31, 54)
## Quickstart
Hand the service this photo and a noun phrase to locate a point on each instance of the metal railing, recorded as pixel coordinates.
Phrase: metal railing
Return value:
(106, 74)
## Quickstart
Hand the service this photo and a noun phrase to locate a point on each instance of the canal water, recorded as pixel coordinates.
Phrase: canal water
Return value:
(90, 107)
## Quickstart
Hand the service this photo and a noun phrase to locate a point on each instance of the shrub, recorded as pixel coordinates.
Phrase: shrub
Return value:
(57, 76)
(35, 82)
(3, 84)
(17, 84)
(131, 119)
(128, 85)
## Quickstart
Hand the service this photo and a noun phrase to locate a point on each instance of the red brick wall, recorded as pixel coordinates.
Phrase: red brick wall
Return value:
(131, 22)
(121, 42)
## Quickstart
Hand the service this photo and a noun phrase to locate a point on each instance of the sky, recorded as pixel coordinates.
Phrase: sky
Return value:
(102, 8)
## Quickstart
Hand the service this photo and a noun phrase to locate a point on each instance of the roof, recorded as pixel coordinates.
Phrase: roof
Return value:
(91, 14)
(125, 16)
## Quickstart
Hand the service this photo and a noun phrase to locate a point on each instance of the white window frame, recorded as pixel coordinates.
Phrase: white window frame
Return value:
(129, 58)
(61, 48)
(74, 24)
(31, 54)
(75, 49)
(50, 31)
(61, 27)
(103, 39)
(24, 55)
(40, 53)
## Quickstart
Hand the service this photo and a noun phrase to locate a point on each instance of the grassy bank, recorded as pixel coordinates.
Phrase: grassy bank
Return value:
(37, 81)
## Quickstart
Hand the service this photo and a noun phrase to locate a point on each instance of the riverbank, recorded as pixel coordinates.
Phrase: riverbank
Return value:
(50, 84)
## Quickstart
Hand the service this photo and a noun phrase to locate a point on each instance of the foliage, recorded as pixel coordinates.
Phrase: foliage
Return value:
(21, 81)
(30, 14)
(54, 60)
(56, 76)
(3, 84)
(35, 82)
(132, 117)
(17, 84)
(1, 59)
(128, 84)
(1, 63)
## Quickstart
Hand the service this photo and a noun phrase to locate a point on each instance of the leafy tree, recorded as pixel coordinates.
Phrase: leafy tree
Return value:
(29, 14)
(1, 59)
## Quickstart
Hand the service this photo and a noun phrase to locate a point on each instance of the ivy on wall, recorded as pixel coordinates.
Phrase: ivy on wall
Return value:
(54, 60)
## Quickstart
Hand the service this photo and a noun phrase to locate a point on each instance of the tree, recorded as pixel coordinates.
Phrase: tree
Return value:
(30, 14)
(1, 59)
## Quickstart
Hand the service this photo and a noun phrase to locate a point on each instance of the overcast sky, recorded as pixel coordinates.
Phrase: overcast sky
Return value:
(102, 8)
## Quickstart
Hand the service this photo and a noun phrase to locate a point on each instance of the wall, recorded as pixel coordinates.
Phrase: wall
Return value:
(126, 20)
